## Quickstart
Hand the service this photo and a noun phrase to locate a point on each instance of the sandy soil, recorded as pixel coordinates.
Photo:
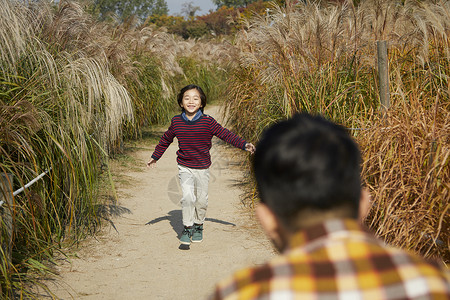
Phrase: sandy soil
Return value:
(143, 258)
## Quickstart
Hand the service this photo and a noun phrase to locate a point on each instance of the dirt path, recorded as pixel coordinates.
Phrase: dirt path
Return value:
(142, 259)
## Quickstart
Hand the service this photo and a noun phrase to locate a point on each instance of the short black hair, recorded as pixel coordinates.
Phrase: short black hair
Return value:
(307, 162)
(192, 87)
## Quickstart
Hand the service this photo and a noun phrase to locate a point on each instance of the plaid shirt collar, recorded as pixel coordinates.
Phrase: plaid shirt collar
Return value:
(324, 233)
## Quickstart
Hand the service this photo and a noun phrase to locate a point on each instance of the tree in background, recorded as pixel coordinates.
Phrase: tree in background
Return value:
(188, 10)
(258, 7)
(124, 9)
(195, 29)
(221, 21)
(224, 20)
(160, 8)
(234, 3)
(173, 24)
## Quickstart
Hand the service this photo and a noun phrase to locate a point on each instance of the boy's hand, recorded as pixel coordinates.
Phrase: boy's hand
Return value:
(250, 148)
(151, 163)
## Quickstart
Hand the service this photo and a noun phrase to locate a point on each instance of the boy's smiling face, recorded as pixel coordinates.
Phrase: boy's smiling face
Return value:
(191, 103)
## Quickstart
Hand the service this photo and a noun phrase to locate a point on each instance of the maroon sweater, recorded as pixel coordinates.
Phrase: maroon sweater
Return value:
(194, 140)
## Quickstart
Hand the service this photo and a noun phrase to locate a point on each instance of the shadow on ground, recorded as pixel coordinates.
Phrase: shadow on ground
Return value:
(175, 219)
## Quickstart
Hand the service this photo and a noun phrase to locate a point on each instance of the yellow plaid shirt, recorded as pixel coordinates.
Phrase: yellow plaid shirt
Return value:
(338, 260)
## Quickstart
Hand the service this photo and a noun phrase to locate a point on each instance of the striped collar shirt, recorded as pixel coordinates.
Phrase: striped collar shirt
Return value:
(194, 140)
(338, 260)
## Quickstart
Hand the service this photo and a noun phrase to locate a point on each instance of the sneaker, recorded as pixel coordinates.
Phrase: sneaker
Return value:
(185, 238)
(197, 234)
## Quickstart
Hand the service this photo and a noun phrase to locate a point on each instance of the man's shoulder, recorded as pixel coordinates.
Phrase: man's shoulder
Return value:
(405, 259)
(251, 280)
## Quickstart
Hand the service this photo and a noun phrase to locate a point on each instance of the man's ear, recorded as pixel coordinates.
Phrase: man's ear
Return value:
(272, 226)
(365, 203)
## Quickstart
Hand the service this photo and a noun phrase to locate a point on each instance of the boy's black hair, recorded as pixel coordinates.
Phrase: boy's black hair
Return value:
(307, 162)
(191, 87)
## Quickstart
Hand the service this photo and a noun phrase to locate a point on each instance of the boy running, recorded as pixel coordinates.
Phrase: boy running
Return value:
(194, 131)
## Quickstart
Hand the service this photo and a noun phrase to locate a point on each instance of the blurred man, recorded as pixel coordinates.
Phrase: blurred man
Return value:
(308, 175)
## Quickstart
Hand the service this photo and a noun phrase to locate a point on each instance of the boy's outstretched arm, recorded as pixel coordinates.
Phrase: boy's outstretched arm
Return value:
(164, 142)
(250, 148)
(229, 137)
(151, 163)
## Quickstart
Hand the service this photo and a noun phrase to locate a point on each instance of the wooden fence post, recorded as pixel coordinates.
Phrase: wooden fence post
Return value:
(6, 195)
(383, 74)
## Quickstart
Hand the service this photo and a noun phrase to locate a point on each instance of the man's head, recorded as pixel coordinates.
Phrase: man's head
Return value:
(308, 169)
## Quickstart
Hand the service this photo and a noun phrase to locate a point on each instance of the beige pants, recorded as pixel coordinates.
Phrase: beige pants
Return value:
(194, 186)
